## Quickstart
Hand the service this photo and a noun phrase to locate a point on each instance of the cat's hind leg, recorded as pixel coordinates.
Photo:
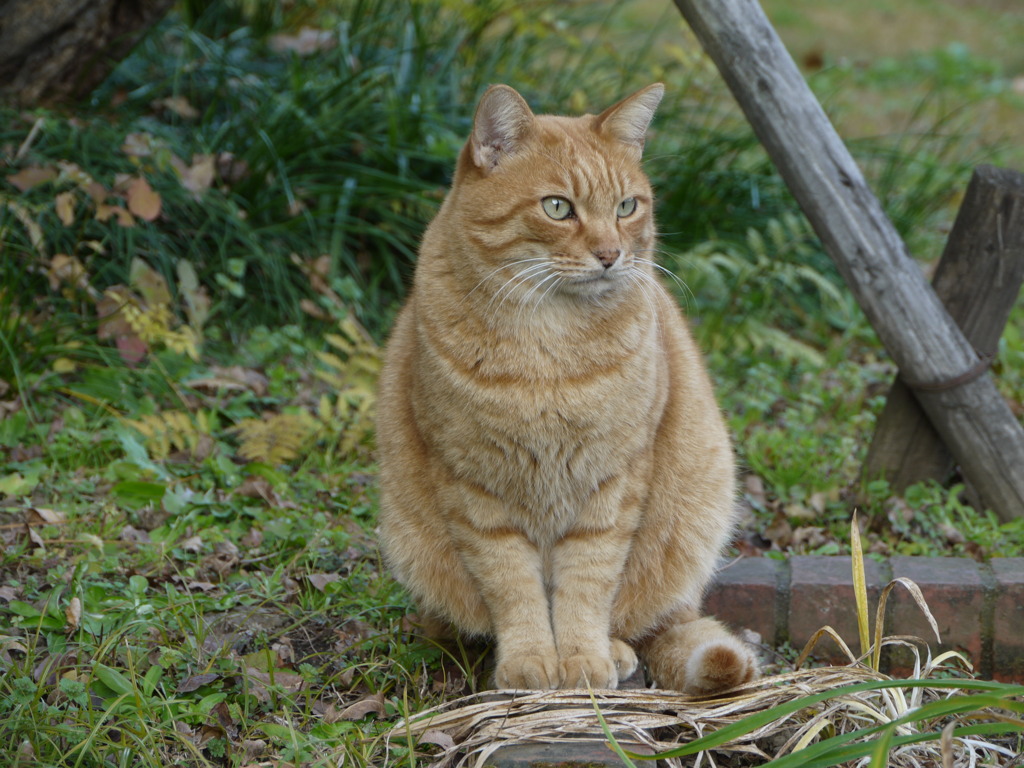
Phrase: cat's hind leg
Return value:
(697, 655)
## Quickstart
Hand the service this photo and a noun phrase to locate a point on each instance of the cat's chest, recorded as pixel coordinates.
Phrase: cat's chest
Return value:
(544, 431)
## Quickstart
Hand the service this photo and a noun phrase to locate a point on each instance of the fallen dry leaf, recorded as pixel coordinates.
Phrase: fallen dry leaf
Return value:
(73, 614)
(179, 105)
(198, 177)
(124, 217)
(65, 205)
(143, 200)
(259, 680)
(68, 270)
(196, 681)
(138, 144)
(44, 516)
(32, 176)
(321, 580)
(9, 593)
(307, 42)
(150, 283)
(134, 535)
(437, 738)
(231, 169)
(371, 705)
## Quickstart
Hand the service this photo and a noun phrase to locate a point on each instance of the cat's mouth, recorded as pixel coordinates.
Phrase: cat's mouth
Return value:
(593, 282)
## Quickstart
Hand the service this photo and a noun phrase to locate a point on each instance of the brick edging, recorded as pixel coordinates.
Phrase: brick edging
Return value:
(978, 607)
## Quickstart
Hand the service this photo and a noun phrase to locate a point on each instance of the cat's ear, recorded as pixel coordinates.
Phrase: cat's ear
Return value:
(502, 121)
(628, 120)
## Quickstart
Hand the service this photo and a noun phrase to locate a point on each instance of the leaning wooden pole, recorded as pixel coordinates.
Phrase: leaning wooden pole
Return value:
(955, 391)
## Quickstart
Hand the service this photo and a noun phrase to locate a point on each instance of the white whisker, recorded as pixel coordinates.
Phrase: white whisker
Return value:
(520, 277)
(678, 281)
(493, 272)
(558, 281)
(525, 300)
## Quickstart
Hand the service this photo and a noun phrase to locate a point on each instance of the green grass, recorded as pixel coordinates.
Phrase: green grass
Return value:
(189, 574)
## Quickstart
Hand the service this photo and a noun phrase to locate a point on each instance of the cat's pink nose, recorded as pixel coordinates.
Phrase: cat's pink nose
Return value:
(608, 256)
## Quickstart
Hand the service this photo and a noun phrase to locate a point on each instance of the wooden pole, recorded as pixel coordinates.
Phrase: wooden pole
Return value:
(978, 280)
(969, 414)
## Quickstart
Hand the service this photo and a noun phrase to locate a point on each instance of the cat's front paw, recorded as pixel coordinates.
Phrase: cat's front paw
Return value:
(586, 670)
(532, 672)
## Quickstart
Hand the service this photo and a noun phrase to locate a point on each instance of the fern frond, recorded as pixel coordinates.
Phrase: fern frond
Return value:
(276, 438)
(169, 431)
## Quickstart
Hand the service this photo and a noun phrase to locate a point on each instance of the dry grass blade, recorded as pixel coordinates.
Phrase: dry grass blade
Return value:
(860, 590)
(915, 592)
(814, 641)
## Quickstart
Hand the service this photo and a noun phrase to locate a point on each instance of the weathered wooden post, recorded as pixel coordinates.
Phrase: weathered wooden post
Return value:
(969, 413)
(978, 280)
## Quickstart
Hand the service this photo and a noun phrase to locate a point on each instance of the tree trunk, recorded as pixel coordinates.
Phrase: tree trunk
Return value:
(58, 51)
(968, 412)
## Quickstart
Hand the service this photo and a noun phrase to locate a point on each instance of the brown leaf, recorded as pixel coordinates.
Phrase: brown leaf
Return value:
(755, 490)
(9, 593)
(799, 512)
(371, 705)
(198, 177)
(138, 145)
(307, 42)
(252, 539)
(321, 580)
(131, 348)
(112, 322)
(143, 201)
(779, 531)
(65, 205)
(438, 738)
(196, 681)
(179, 105)
(96, 192)
(134, 535)
(124, 218)
(192, 544)
(68, 270)
(150, 283)
(26, 754)
(231, 169)
(32, 176)
(44, 516)
(73, 614)
(259, 680)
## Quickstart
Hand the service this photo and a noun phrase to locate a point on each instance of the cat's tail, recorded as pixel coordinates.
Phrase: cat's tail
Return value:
(697, 655)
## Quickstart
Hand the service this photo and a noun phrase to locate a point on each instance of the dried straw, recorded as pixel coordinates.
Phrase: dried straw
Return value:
(658, 720)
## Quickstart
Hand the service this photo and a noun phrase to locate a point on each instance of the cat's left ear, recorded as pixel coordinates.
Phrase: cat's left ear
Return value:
(628, 120)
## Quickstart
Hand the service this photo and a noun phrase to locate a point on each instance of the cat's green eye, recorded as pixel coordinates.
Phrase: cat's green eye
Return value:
(557, 208)
(626, 207)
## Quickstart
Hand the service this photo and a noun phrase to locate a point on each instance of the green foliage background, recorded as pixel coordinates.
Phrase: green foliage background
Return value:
(188, 573)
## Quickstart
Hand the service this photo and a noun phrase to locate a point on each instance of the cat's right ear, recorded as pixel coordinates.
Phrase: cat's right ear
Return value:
(500, 126)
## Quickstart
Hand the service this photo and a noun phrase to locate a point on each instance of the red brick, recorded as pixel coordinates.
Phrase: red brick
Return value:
(821, 594)
(954, 592)
(564, 754)
(1008, 619)
(744, 595)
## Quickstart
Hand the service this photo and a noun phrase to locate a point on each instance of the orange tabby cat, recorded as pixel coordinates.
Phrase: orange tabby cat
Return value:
(555, 472)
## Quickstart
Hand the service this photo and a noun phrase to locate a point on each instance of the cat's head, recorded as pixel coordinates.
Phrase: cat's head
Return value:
(556, 205)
